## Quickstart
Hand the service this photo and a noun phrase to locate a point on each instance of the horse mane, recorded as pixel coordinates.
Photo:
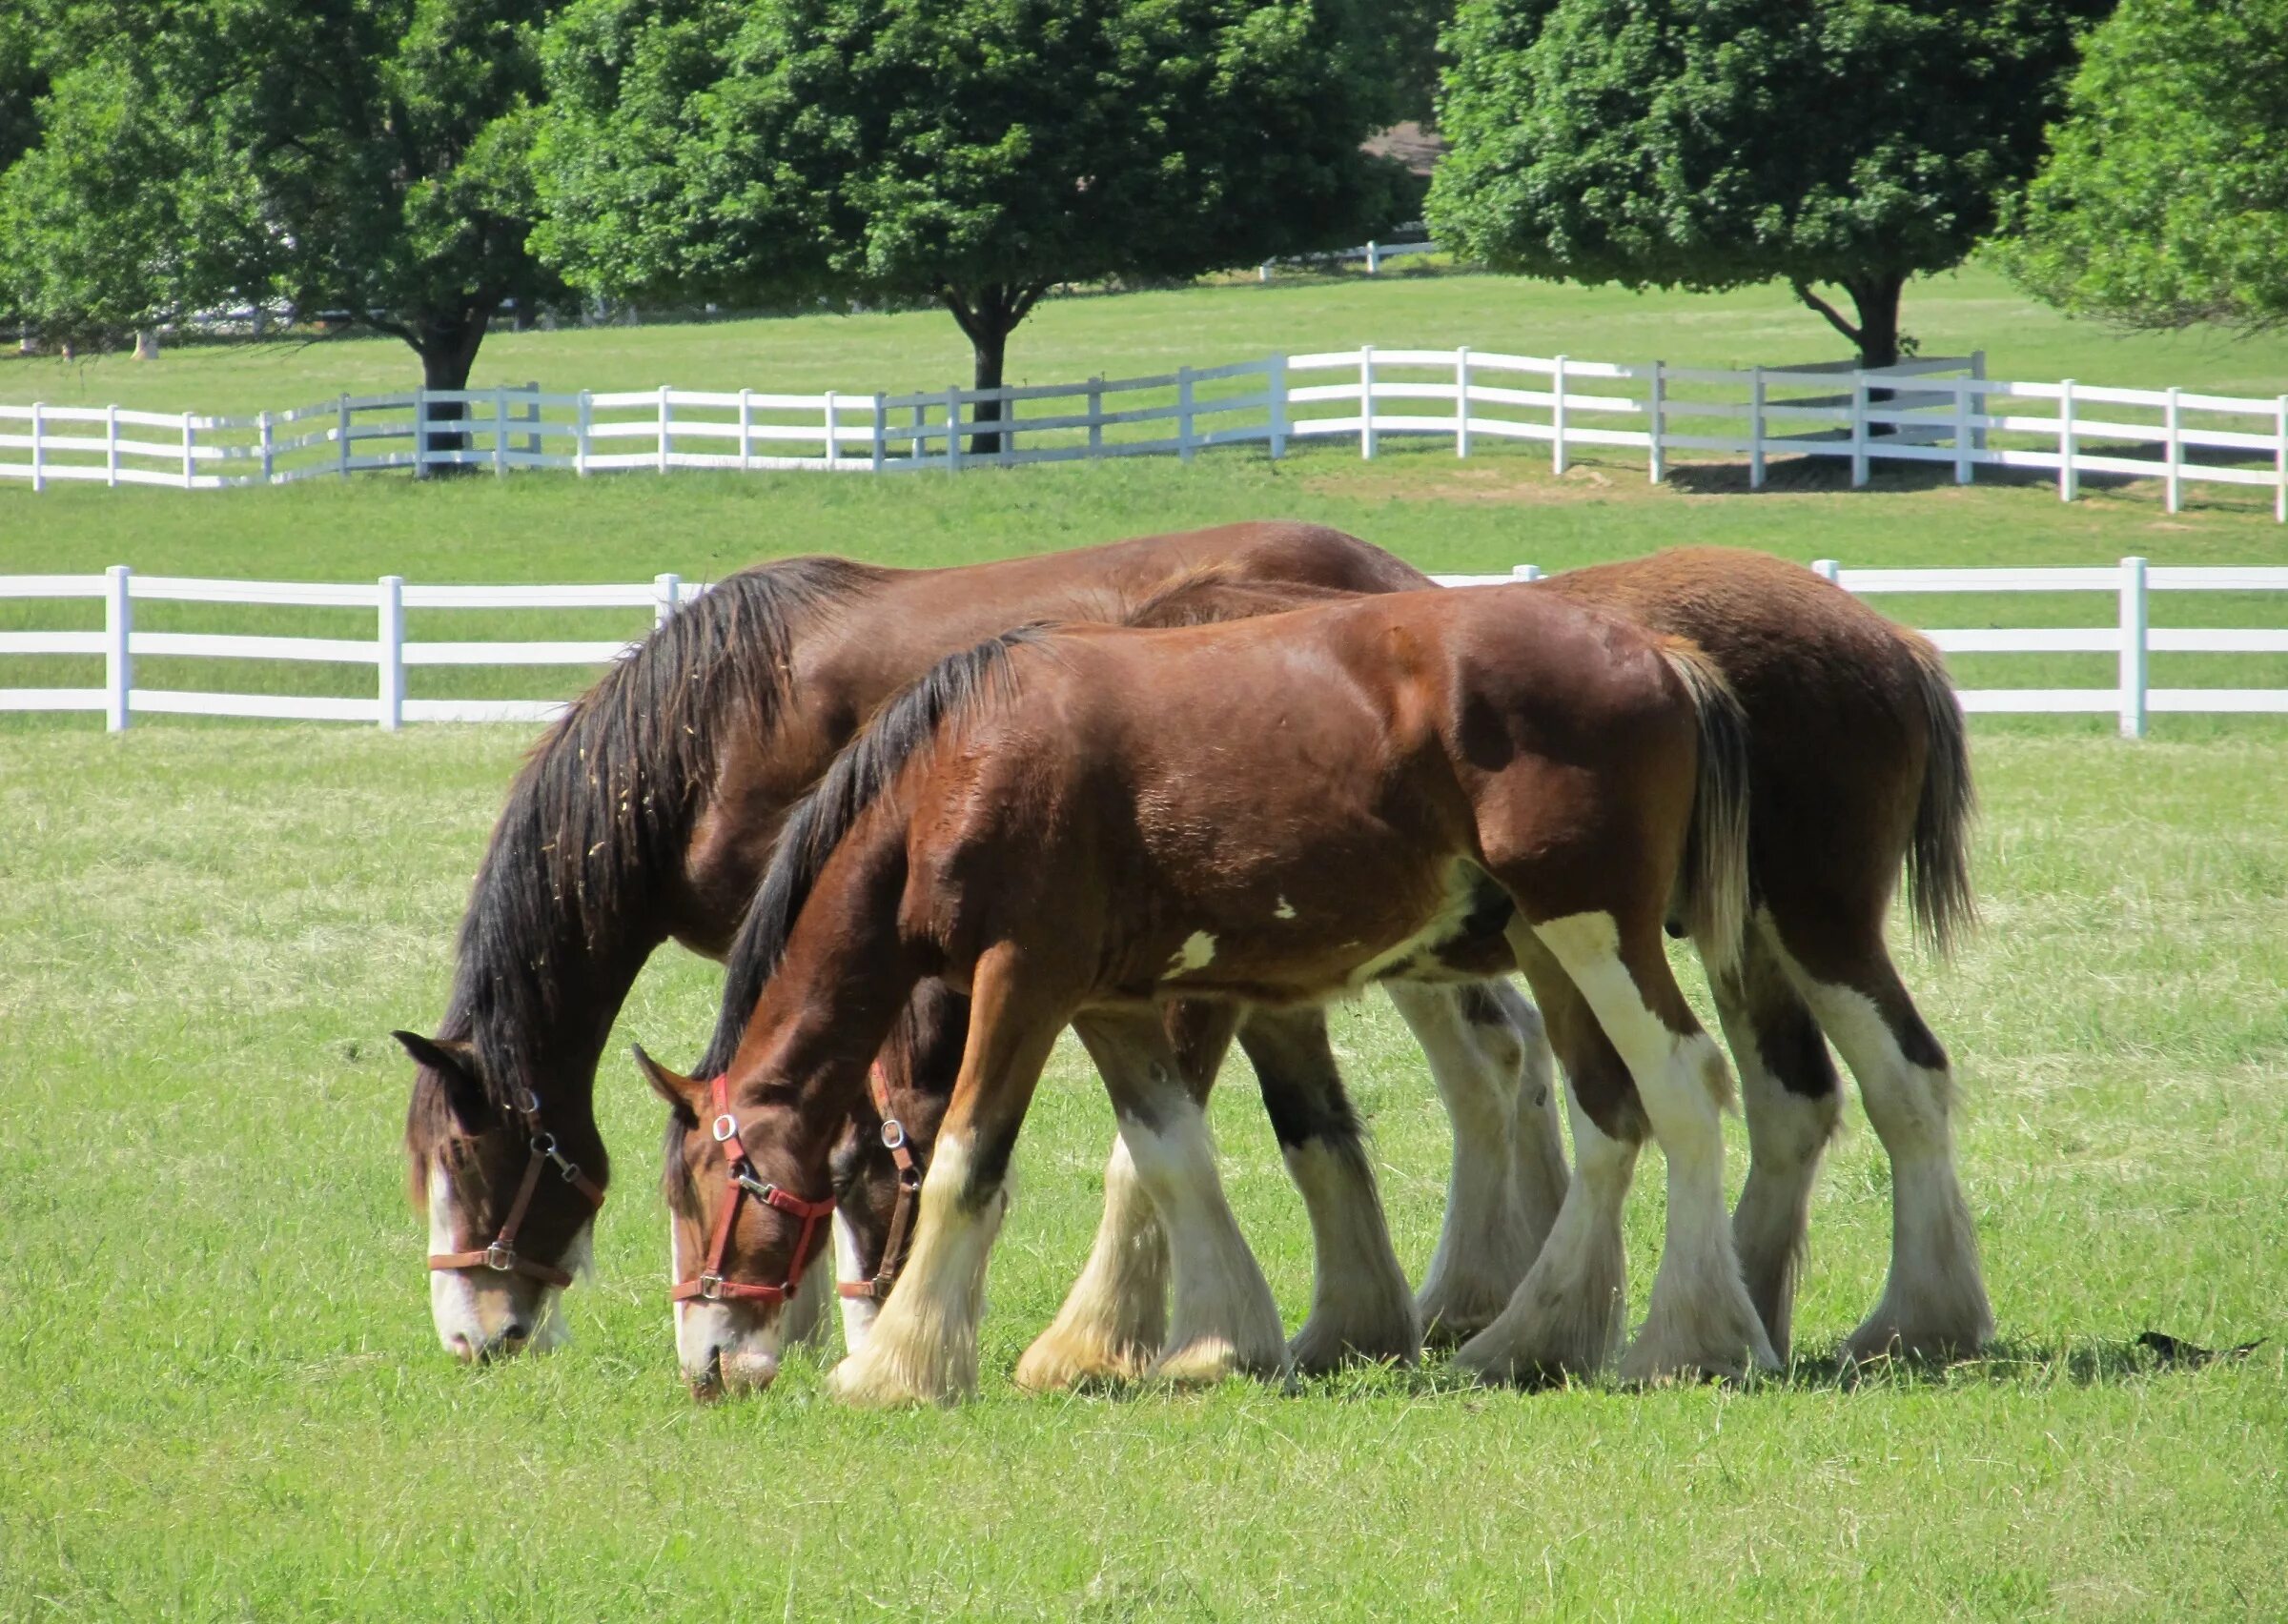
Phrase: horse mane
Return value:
(601, 812)
(907, 725)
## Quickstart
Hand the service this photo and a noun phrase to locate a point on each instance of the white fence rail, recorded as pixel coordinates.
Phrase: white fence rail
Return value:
(1941, 412)
(2130, 637)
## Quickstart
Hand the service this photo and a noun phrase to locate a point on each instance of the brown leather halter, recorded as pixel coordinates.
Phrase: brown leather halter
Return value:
(711, 1286)
(500, 1257)
(901, 1211)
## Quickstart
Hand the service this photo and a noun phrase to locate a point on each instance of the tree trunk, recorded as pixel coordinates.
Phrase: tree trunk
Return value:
(1876, 297)
(988, 315)
(448, 350)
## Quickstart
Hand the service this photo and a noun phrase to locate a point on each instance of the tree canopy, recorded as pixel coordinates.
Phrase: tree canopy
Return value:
(969, 152)
(1676, 143)
(367, 160)
(2164, 202)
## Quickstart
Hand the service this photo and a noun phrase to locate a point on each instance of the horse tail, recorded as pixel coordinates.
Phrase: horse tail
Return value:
(1938, 859)
(1715, 872)
(908, 724)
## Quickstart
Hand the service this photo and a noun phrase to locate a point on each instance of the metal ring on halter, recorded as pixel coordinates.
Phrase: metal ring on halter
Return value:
(530, 1104)
(727, 1128)
(893, 1134)
(710, 1288)
(501, 1258)
(756, 1187)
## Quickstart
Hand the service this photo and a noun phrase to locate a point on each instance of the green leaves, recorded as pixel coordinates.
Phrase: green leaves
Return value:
(1661, 143)
(2165, 201)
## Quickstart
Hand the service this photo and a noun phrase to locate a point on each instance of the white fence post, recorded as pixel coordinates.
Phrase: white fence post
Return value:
(1755, 429)
(582, 424)
(2172, 484)
(188, 459)
(341, 435)
(1366, 400)
(746, 431)
(1183, 413)
(110, 445)
(1096, 416)
(1373, 259)
(833, 449)
(953, 428)
(500, 431)
(1962, 431)
(1461, 401)
(393, 653)
(2069, 482)
(876, 450)
(1858, 429)
(421, 432)
(1659, 404)
(269, 439)
(119, 657)
(666, 440)
(1828, 569)
(534, 444)
(1276, 378)
(1525, 572)
(666, 596)
(2279, 462)
(1008, 427)
(39, 479)
(1978, 374)
(2133, 648)
(1556, 416)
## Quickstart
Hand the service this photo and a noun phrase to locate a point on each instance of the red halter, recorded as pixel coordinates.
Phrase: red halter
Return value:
(711, 1286)
(901, 1211)
(500, 1257)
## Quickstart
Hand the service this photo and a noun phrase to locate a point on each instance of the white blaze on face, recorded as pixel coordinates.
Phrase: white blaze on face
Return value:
(734, 1343)
(1198, 953)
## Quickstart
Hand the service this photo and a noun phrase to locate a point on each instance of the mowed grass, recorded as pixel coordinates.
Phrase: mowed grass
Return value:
(219, 1395)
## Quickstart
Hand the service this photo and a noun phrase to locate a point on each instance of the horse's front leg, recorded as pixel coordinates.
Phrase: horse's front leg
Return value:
(1224, 1319)
(923, 1347)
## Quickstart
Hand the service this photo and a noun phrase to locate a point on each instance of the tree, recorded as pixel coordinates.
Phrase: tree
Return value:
(1714, 145)
(2164, 202)
(365, 160)
(974, 153)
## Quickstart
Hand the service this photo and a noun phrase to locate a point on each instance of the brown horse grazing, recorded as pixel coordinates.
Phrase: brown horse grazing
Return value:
(1079, 826)
(649, 813)
(1859, 768)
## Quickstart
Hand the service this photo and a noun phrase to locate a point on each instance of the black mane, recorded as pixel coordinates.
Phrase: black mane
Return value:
(904, 725)
(601, 813)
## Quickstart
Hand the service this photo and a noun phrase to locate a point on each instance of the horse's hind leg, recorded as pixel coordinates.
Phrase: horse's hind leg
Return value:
(1224, 1318)
(923, 1347)
(1361, 1304)
(1508, 1174)
(1700, 1319)
(1114, 1319)
(1792, 1098)
(1567, 1315)
(1935, 1302)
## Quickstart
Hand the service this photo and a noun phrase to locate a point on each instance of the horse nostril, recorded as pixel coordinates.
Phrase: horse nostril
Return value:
(463, 1351)
(517, 1332)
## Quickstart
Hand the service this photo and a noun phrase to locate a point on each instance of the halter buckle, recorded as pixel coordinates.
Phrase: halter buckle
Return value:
(725, 1128)
(501, 1258)
(710, 1288)
(893, 1134)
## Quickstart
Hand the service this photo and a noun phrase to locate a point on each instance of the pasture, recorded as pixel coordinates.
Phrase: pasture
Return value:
(220, 1396)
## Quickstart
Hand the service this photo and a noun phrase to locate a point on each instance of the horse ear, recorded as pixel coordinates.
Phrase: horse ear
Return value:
(455, 1063)
(681, 1093)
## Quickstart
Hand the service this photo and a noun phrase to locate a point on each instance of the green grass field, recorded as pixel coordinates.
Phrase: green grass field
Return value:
(219, 1395)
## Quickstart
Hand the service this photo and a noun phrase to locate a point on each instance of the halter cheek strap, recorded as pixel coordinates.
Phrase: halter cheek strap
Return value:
(500, 1257)
(901, 1211)
(711, 1286)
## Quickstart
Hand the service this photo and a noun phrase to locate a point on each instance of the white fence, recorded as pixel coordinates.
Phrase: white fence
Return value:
(2132, 638)
(1939, 412)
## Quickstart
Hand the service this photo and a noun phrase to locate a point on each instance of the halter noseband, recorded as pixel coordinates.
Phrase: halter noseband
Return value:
(901, 1211)
(711, 1286)
(500, 1257)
